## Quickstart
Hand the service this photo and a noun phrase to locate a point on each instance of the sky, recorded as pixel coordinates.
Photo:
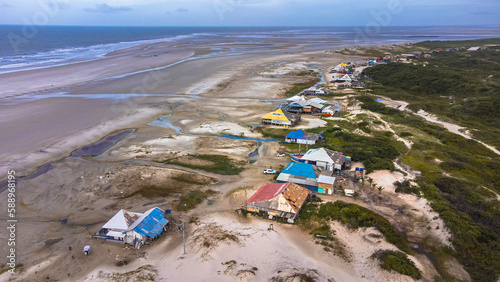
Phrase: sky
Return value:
(250, 12)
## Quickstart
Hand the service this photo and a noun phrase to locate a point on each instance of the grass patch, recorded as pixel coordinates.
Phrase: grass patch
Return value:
(376, 152)
(456, 43)
(276, 133)
(192, 199)
(191, 181)
(399, 262)
(296, 88)
(222, 165)
(153, 191)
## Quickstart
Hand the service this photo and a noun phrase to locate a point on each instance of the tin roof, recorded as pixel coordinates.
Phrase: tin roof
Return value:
(324, 155)
(300, 169)
(326, 179)
(268, 191)
(122, 220)
(284, 197)
(150, 224)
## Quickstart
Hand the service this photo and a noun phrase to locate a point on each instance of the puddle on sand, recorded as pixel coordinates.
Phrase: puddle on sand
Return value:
(43, 169)
(259, 140)
(99, 147)
(253, 155)
(164, 122)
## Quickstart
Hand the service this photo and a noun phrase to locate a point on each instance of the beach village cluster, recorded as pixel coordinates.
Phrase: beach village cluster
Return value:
(318, 171)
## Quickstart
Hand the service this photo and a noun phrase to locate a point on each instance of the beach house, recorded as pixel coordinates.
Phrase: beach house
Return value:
(281, 117)
(113, 230)
(314, 91)
(325, 159)
(282, 200)
(302, 106)
(299, 173)
(133, 228)
(302, 137)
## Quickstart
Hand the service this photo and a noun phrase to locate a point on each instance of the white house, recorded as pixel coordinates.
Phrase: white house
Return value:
(314, 91)
(324, 158)
(133, 228)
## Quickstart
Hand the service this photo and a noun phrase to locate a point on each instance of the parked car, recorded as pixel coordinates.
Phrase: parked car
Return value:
(280, 155)
(269, 171)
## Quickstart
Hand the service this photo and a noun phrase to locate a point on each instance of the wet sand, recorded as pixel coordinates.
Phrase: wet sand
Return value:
(58, 125)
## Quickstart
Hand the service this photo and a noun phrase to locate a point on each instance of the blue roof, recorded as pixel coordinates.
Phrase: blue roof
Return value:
(295, 105)
(152, 225)
(299, 134)
(379, 100)
(300, 169)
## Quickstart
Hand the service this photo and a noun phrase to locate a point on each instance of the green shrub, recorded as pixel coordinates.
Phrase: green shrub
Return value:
(406, 187)
(191, 200)
(399, 262)
(221, 164)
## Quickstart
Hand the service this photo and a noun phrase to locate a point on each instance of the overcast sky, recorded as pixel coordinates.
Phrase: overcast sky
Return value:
(250, 12)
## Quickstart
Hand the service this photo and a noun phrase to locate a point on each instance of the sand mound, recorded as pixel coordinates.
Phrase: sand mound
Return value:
(209, 236)
(224, 127)
(143, 273)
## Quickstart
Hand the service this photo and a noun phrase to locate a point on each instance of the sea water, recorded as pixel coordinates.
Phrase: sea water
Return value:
(57, 45)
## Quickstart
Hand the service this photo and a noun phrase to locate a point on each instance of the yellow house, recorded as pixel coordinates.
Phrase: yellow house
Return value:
(280, 117)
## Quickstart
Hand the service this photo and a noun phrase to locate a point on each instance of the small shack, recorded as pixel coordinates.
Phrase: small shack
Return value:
(326, 184)
(302, 137)
(282, 200)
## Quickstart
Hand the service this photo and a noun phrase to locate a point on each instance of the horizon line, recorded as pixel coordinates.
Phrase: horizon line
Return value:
(254, 26)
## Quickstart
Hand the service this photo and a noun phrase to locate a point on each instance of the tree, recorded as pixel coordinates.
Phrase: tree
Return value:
(370, 180)
(380, 188)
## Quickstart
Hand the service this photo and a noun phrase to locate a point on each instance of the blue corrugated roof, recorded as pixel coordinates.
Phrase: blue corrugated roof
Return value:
(299, 134)
(152, 225)
(296, 105)
(301, 169)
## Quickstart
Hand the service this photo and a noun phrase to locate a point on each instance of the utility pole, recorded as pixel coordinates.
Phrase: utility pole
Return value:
(183, 237)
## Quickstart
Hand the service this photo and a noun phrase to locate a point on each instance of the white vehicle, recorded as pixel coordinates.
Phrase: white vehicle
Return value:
(280, 155)
(269, 171)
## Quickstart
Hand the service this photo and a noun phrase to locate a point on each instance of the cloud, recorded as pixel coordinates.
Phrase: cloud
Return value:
(62, 5)
(105, 8)
(59, 4)
(182, 10)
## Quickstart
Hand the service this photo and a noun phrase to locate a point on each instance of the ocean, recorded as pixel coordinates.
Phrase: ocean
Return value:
(24, 47)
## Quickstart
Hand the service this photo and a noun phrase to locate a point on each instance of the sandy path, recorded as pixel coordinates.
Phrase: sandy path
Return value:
(462, 131)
